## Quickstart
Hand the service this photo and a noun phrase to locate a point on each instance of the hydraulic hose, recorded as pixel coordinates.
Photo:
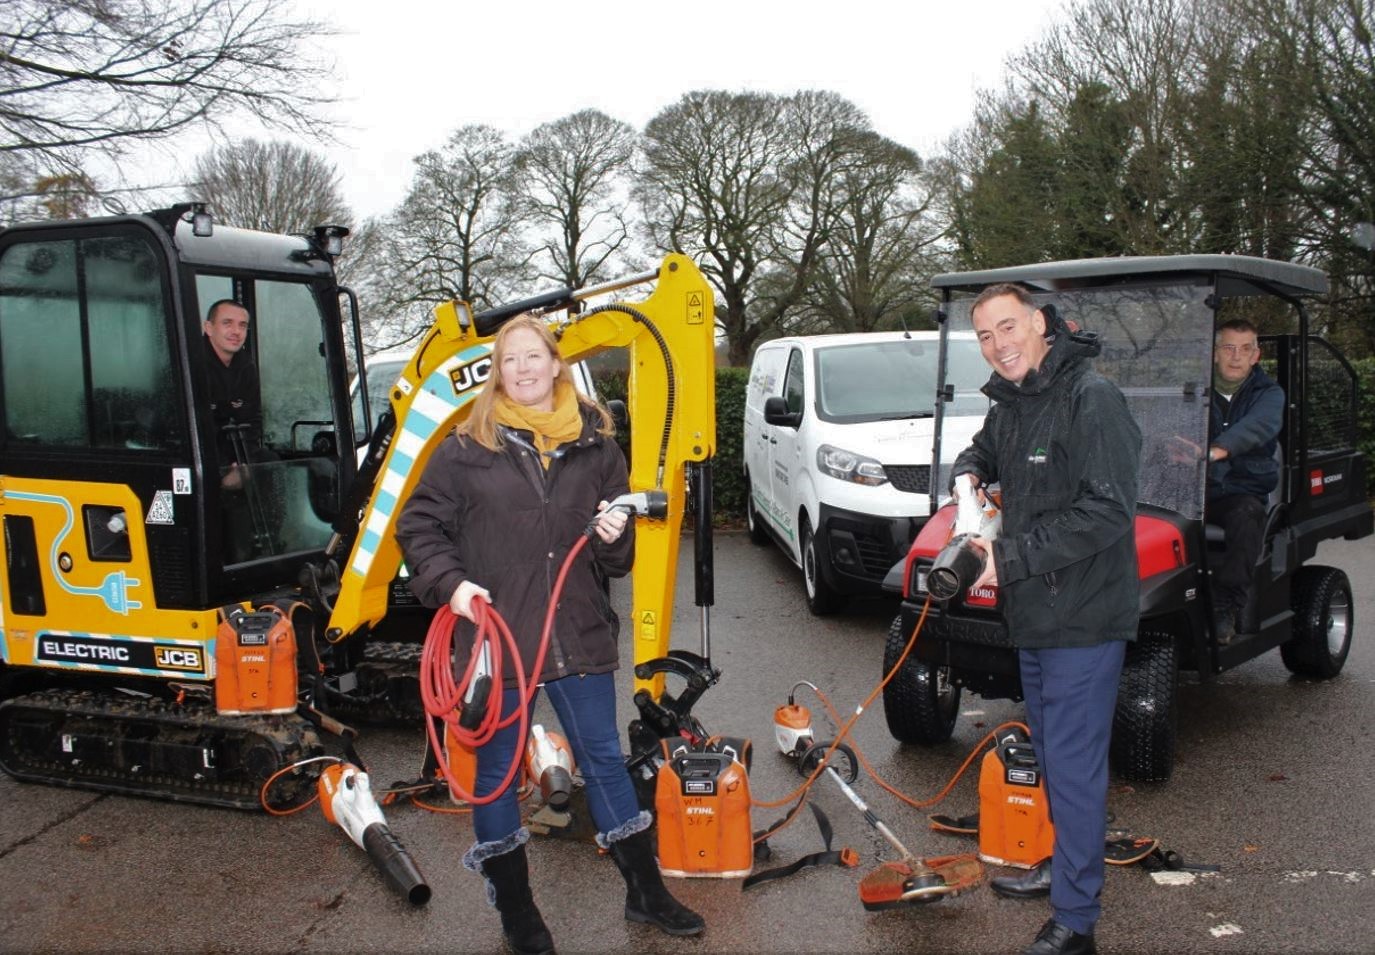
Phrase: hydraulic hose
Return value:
(669, 377)
(442, 695)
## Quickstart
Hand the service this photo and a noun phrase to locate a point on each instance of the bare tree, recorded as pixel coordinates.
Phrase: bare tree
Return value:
(710, 183)
(84, 76)
(572, 175)
(274, 187)
(875, 270)
(456, 235)
(748, 180)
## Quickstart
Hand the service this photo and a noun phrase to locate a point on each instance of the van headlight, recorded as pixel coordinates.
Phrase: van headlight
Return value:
(848, 466)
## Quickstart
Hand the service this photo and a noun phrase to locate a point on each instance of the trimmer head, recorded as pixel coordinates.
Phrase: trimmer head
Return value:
(918, 881)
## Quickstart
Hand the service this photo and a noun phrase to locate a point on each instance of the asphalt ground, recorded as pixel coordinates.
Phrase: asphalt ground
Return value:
(1272, 784)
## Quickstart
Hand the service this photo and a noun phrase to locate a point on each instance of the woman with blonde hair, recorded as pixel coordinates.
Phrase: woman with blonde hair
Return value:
(493, 518)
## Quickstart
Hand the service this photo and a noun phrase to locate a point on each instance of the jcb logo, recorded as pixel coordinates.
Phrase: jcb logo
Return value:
(471, 375)
(178, 658)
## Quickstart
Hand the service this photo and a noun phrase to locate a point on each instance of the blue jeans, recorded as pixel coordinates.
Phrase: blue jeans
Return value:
(586, 707)
(1070, 696)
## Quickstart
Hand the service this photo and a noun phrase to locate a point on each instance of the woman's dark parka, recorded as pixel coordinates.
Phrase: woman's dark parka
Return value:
(505, 523)
(1066, 451)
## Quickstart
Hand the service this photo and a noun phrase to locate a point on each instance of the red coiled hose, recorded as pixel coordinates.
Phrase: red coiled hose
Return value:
(442, 696)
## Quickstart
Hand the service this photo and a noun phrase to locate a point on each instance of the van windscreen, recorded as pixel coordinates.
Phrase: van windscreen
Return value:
(882, 380)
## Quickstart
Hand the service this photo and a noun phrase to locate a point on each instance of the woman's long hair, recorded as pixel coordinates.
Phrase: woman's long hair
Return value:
(481, 424)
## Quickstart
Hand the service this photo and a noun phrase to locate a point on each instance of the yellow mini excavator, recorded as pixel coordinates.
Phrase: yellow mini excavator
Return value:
(167, 632)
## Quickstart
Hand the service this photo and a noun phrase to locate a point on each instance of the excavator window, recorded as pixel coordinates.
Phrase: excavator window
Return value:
(292, 453)
(84, 347)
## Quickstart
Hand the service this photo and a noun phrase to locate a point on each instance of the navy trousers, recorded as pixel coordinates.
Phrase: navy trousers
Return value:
(1070, 696)
(586, 708)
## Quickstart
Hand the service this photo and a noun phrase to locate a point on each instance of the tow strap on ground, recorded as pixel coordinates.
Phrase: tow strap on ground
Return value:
(844, 857)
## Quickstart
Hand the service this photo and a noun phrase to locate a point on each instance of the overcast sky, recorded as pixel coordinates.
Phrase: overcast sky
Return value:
(411, 72)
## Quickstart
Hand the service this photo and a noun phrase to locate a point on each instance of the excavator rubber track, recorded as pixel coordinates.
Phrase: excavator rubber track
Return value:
(145, 746)
(388, 687)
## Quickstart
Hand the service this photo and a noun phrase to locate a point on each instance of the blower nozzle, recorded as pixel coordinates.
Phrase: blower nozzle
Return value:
(956, 568)
(549, 762)
(346, 798)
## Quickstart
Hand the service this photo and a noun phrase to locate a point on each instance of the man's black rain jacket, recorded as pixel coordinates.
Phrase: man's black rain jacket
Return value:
(1066, 451)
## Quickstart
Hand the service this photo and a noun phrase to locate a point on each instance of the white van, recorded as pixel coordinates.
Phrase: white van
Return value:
(838, 449)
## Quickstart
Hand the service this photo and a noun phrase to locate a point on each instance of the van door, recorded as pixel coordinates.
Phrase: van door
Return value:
(787, 449)
(766, 380)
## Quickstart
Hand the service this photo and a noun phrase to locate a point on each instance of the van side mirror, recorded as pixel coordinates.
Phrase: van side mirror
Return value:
(776, 412)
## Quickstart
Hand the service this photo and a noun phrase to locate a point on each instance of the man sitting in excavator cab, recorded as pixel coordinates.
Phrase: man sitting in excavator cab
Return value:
(1243, 469)
(236, 408)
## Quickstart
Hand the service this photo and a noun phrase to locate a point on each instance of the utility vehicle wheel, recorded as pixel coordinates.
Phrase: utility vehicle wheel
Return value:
(1145, 724)
(1321, 599)
(920, 702)
(759, 534)
(821, 599)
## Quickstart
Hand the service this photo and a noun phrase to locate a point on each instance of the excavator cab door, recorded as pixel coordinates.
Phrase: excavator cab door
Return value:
(288, 458)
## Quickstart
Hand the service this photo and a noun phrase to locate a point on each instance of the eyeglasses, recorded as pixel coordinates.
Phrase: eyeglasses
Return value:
(1234, 350)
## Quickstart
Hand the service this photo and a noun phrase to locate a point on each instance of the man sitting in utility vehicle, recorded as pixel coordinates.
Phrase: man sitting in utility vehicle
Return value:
(1243, 433)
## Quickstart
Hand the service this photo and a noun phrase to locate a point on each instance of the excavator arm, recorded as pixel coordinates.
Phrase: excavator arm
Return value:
(671, 401)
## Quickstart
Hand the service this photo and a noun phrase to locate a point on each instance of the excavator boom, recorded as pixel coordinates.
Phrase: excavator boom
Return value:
(669, 337)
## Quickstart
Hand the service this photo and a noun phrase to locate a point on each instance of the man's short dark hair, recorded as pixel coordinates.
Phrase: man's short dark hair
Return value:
(1001, 289)
(1238, 325)
(210, 312)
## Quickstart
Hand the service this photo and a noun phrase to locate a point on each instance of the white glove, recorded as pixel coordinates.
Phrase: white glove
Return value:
(610, 524)
(461, 602)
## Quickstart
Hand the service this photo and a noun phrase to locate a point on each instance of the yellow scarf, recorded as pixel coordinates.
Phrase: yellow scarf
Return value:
(550, 428)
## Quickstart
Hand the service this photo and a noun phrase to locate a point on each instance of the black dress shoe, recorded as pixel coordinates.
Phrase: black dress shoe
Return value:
(1056, 939)
(1034, 885)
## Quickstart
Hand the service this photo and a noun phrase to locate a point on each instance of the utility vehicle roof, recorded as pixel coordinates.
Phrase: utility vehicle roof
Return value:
(1236, 275)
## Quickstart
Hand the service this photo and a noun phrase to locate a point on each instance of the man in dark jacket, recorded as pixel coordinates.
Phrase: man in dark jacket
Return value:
(232, 381)
(1062, 444)
(1243, 437)
(236, 410)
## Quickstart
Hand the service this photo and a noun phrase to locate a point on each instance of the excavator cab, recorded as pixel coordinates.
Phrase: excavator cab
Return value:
(105, 396)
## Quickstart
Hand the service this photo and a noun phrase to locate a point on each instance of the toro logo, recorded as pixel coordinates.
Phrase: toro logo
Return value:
(982, 596)
(471, 375)
(1315, 482)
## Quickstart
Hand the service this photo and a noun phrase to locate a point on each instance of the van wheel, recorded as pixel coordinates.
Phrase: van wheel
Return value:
(1145, 725)
(1321, 600)
(759, 534)
(821, 598)
(921, 702)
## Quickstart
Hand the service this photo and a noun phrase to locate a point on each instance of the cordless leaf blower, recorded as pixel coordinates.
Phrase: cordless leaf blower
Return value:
(346, 797)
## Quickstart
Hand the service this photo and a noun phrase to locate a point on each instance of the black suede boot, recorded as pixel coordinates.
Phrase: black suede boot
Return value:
(509, 876)
(647, 899)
